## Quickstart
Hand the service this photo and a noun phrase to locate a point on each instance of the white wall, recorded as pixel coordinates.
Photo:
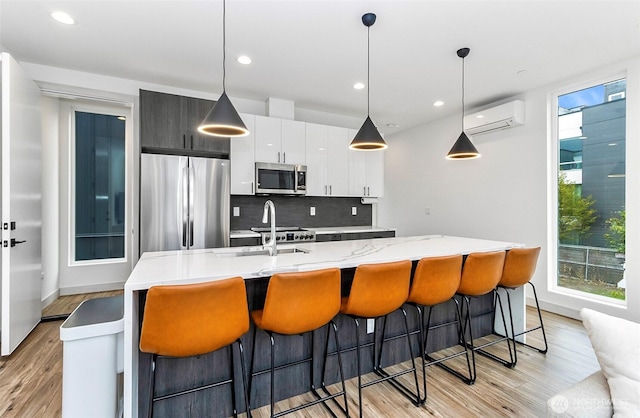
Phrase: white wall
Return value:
(504, 194)
(50, 200)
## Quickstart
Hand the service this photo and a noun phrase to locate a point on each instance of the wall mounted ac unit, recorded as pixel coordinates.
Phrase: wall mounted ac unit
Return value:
(495, 118)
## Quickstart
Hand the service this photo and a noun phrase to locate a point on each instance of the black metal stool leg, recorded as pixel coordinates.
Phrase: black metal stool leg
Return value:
(480, 349)
(244, 379)
(359, 365)
(539, 327)
(152, 381)
(273, 398)
(233, 382)
(253, 357)
(338, 350)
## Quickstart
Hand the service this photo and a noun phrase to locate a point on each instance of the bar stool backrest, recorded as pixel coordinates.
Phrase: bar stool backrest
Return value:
(481, 273)
(436, 280)
(378, 289)
(519, 266)
(193, 319)
(302, 301)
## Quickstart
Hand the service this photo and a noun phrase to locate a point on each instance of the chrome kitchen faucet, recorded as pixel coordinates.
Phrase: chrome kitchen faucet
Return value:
(271, 243)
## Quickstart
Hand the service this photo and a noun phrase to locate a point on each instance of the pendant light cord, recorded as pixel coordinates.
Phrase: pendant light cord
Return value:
(224, 44)
(368, 68)
(463, 94)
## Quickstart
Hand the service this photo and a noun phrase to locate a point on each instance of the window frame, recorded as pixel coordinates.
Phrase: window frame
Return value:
(553, 146)
(103, 110)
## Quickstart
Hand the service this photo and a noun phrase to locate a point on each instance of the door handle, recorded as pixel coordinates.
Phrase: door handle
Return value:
(284, 157)
(15, 242)
(185, 204)
(192, 177)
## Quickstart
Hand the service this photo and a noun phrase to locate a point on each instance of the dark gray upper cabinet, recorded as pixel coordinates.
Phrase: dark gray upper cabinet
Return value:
(169, 124)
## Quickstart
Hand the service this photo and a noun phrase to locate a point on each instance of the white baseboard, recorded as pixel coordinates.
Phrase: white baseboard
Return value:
(555, 308)
(49, 299)
(104, 287)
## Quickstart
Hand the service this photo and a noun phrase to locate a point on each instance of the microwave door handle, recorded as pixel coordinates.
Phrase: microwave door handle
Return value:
(192, 179)
(185, 208)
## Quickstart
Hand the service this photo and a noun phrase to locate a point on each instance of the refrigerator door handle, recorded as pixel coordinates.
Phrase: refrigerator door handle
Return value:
(185, 204)
(192, 179)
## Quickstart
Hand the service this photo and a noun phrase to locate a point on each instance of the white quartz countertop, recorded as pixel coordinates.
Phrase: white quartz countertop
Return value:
(193, 266)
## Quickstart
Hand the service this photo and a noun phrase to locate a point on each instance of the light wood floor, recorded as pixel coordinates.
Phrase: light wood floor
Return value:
(31, 379)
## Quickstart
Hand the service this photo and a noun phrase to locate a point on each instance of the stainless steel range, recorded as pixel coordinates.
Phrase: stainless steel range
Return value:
(287, 234)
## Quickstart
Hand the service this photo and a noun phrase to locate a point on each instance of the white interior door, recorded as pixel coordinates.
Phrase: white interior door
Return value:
(21, 205)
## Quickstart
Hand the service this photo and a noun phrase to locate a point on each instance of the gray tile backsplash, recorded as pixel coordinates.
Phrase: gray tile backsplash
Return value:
(295, 211)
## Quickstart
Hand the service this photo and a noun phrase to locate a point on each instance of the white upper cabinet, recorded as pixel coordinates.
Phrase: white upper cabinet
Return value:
(279, 141)
(327, 160)
(366, 172)
(293, 146)
(268, 139)
(243, 159)
(338, 161)
(316, 158)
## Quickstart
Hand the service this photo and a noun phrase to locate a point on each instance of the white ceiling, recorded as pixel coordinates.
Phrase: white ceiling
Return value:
(312, 52)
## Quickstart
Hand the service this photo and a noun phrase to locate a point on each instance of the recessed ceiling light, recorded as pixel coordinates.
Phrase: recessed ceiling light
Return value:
(121, 118)
(438, 103)
(393, 125)
(243, 59)
(358, 86)
(480, 116)
(63, 17)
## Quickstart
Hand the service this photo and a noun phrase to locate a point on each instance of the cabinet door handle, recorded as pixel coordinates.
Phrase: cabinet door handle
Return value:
(364, 190)
(284, 157)
(184, 141)
(278, 156)
(330, 192)
(191, 141)
(252, 192)
(325, 189)
(368, 191)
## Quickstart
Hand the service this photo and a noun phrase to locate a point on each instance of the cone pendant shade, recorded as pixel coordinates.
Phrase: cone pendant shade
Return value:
(463, 149)
(368, 138)
(223, 120)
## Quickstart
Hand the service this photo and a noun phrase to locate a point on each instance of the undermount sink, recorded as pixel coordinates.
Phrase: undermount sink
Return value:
(249, 251)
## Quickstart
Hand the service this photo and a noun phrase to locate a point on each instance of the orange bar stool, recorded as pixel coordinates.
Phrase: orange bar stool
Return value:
(480, 275)
(436, 281)
(376, 291)
(298, 303)
(519, 266)
(195, 319)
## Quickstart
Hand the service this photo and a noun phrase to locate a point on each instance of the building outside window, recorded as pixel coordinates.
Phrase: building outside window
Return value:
(591, 190)
(99, 186)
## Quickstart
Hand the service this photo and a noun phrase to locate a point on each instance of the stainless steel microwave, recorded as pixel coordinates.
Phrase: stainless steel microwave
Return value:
(274, 178)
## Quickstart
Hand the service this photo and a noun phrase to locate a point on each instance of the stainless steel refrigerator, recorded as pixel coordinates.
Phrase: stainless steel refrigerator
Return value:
(184, 202)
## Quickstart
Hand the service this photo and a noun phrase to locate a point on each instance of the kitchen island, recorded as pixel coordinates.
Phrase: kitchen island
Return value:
(194, 266)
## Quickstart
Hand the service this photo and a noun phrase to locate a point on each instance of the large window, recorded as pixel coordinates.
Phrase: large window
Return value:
(99, 209)
(591, 190)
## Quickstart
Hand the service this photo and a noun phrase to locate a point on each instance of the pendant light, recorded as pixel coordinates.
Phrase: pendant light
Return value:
(223, 119)
(368, 138)
(463, 148)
